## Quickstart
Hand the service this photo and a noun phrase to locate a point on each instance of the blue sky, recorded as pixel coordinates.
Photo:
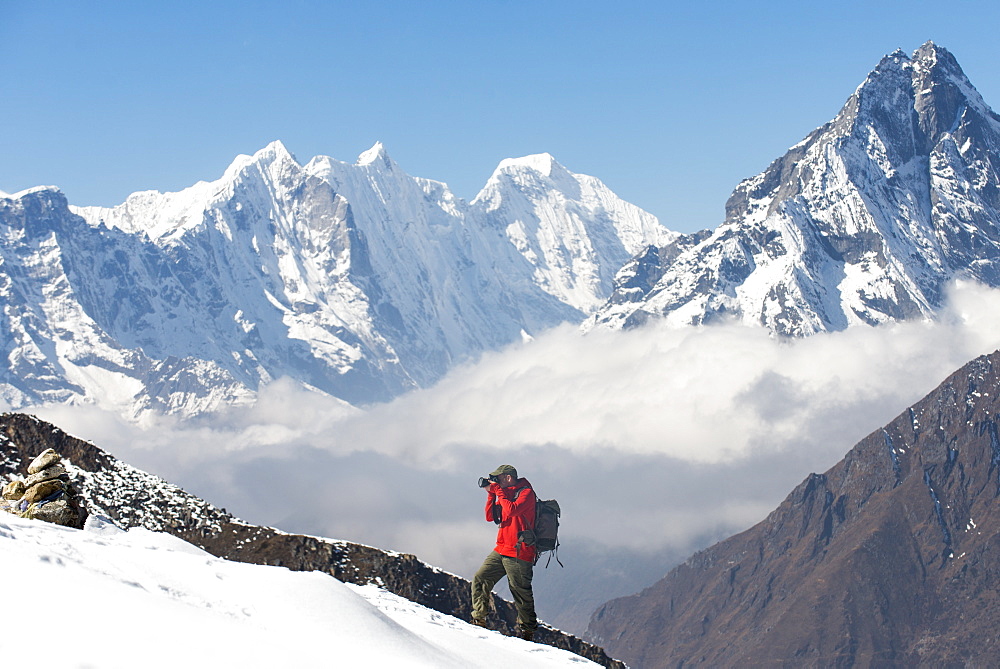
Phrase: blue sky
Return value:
(671, 104)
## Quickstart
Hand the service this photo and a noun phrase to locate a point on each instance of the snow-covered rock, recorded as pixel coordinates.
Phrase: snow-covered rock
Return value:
(864, 221)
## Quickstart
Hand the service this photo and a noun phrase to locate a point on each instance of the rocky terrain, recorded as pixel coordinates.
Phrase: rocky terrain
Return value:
(890, 558)
(132, 498)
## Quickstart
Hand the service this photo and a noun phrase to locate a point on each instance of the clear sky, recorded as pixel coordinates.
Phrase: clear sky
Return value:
(671, 104)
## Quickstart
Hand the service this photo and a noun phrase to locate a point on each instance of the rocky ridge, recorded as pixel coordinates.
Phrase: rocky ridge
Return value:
(133, 498)
(890, 558)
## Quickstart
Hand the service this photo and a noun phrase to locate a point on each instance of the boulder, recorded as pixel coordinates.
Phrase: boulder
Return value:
(45, 459)
(60, 512)
(14, 490)
(52, 472)
(40, 491)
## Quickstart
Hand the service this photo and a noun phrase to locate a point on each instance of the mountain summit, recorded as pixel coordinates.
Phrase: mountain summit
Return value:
(862, 222)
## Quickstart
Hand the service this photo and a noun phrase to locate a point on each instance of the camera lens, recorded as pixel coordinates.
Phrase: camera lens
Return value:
(483, 482)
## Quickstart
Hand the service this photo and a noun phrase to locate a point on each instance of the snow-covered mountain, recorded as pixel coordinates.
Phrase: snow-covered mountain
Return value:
(862, 222)
(357, 280)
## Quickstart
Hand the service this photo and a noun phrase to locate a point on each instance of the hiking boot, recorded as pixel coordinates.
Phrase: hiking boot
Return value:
(525, 633)
(479, 622)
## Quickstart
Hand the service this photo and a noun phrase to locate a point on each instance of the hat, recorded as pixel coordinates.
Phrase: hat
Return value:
(504, 469)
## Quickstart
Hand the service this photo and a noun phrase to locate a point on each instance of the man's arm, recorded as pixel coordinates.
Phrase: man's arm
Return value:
(491, 506)
(509, 507)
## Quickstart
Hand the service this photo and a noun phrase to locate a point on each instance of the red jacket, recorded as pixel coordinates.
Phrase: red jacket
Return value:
(516, 507)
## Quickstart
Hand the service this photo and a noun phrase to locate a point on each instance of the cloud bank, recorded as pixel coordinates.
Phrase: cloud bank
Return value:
(656, 441)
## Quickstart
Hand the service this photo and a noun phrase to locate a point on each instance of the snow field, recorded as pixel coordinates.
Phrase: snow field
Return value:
(107, 598)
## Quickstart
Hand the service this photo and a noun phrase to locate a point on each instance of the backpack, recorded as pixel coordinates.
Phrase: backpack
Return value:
(544, 536)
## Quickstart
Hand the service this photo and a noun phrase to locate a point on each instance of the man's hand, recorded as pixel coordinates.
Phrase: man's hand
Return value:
(494, 489)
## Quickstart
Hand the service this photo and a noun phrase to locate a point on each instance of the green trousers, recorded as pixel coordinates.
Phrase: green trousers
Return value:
(518, 573)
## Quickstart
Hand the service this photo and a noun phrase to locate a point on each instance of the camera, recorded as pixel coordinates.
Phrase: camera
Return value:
(484, 481)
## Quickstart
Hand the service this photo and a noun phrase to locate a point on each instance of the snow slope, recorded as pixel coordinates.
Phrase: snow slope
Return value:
(107, 598)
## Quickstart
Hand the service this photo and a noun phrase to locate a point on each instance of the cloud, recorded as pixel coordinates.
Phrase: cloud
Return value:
(656, 441)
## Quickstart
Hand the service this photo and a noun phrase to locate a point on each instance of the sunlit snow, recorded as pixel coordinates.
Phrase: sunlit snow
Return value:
(103, 597)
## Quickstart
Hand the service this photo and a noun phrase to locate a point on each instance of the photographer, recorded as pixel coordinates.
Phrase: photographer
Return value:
(510, 503)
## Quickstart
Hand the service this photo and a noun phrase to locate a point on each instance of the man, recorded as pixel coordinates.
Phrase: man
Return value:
(510, 503)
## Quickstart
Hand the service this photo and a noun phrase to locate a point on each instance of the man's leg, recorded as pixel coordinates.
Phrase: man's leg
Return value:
(519, 573)
(491, 571)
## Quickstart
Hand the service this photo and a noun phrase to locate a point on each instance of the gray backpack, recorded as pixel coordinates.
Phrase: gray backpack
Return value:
(544, 536)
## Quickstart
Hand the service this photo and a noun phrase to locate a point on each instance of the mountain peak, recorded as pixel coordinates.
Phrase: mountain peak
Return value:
(274, 150)
(55, 190)
(540, 170)
(376, 154)
(542, 163)
(894, 60)
(914, 144)
(931, 58)
(928, 51)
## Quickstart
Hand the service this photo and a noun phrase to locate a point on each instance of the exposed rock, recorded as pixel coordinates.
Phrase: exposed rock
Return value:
(45, 459)
(14, 490)
(40, 491)
(52, 472)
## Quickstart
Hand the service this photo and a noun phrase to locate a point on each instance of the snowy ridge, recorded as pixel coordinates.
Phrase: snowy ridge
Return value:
(118, 493)
(354, 280)
(863, 222)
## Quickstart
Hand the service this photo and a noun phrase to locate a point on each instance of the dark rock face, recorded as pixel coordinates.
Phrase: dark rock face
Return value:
(132, 498)
(891, 558)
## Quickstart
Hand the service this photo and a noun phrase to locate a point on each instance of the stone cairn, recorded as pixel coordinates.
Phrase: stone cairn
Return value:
(46, 494)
